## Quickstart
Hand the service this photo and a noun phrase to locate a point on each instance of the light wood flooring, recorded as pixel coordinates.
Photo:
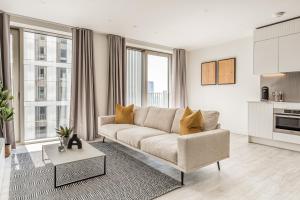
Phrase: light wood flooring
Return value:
(252, 172)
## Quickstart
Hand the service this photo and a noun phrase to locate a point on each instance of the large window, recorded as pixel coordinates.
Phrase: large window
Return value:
(147, 78)
(157, 80)
(47, 73)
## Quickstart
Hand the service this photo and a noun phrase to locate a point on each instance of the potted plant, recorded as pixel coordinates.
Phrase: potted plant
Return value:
(64, 134)
(6, 114)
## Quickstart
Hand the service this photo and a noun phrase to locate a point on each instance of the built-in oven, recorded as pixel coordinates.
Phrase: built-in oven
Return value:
(286, 121)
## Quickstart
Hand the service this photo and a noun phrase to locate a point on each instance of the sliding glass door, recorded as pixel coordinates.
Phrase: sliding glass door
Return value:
(147, 78)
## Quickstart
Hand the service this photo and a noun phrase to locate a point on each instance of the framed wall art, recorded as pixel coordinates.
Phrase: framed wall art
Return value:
(208, 73)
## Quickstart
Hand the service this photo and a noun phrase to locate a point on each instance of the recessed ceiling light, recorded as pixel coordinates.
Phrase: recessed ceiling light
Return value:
(278, 14)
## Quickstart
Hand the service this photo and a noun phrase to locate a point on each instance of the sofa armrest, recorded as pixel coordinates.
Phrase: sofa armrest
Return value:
(109, 119)
(201, 149)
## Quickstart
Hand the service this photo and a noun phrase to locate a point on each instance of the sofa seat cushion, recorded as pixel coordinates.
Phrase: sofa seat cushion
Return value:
(162, 146)
(133, 136)
(110, 130)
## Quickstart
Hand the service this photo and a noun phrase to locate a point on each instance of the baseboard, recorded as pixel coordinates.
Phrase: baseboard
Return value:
(273, 143)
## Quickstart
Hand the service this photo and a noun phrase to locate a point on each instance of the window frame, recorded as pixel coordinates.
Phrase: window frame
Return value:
(144, 76)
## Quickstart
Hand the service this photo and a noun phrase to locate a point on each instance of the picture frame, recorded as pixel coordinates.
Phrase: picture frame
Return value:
(226, 72)
(208, 73)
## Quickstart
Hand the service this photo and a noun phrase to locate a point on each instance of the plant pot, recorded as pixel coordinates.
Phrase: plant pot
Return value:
(65, 141)
(7, 150)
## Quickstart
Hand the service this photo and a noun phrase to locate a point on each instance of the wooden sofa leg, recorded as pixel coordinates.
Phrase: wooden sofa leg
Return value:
(182, 178)
(103, 140)
(218, 166)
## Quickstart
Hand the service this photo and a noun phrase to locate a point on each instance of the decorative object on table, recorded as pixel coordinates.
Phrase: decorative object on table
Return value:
(64, 134)
(226, 71)
(208, 73)
(6, 114)
(74, 140)
(61, 147)
(7, 150)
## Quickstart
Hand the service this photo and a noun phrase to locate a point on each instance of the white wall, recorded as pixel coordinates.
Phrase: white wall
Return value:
(101, 72)
(229, 100)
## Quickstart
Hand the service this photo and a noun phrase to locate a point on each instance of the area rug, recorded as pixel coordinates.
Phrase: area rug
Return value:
(126, 178)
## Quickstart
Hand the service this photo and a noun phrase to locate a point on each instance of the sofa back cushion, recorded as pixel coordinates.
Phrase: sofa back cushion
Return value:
(210, 120)
(160, 118)
(140, 114)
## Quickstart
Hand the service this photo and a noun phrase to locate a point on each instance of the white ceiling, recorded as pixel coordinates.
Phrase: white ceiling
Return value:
(189, 24)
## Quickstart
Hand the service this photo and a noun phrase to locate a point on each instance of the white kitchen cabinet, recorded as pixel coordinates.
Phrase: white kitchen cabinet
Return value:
(260, 119)
(266, 56)
(289, 53)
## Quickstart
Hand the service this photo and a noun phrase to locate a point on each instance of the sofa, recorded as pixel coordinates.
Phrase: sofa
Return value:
(155, 132)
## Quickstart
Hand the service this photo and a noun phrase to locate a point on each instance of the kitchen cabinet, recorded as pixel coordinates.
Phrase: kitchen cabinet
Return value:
(289, 53)
(266, 56)
(260, 119)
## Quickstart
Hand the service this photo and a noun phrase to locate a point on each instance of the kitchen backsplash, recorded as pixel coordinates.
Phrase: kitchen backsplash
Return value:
(289, 84)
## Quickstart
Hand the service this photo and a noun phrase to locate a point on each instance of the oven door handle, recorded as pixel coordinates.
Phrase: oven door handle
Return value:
(287, 116)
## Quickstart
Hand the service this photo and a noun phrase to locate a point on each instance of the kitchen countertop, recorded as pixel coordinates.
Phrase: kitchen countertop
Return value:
(284, 104)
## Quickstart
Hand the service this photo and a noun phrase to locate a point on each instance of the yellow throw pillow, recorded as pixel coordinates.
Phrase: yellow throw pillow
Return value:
(191, 122)
(124, 115)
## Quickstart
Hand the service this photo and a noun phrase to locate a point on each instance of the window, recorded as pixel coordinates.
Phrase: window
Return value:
(40, 113)
(157, 80)
(61, 50)
(147, 81)
(47, 84)
(40, 47)
(40, 83)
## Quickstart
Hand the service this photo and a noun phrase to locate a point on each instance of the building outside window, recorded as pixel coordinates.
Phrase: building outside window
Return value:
(47, 84)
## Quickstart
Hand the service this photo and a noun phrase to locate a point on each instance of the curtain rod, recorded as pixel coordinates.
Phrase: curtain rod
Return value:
(39, 20)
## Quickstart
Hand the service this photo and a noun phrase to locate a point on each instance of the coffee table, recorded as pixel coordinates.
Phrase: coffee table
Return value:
(70, 156)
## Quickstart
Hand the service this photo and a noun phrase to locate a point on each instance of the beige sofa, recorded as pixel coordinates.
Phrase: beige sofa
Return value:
(155, 132)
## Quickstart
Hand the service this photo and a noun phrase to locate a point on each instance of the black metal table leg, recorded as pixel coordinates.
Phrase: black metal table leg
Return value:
(104, 164)
(55, 177)
(218, 166)
(182, 178)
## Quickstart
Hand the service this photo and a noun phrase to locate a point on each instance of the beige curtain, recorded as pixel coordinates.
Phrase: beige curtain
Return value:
(82, 108)
(116, 79)
(178, 79)
(5, 72)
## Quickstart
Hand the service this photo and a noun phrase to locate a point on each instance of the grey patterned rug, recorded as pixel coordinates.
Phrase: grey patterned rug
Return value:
(126, 178)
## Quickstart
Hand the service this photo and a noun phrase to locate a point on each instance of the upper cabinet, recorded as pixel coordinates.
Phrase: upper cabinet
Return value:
(289, 53)
(277, 48)
(266, 56)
